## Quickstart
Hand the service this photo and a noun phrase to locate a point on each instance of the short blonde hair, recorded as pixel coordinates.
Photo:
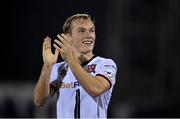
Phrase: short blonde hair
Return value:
(69, 20)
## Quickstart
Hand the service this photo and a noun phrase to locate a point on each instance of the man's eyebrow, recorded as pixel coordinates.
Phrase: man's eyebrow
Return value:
(81, 28)
(92, 27)
(85, 28)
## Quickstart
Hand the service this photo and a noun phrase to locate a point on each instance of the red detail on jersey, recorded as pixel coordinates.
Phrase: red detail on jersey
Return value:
(91, 68)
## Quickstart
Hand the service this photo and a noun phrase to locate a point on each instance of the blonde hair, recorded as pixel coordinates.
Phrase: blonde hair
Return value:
(69, 20)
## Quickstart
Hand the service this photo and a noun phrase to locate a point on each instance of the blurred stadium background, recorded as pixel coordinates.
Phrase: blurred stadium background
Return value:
(142, 36)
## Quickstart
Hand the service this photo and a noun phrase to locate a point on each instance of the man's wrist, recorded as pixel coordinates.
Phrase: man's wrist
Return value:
(49, 65)
(73, 61)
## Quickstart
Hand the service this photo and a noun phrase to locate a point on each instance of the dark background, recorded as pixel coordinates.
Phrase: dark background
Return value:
(142, 36)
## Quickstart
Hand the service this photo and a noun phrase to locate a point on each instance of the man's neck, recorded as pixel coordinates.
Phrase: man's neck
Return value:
(85, 57)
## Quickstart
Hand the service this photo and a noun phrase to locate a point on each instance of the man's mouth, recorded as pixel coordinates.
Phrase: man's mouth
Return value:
(87, 42)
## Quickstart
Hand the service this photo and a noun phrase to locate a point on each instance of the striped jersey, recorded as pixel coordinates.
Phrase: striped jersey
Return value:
(73, 101)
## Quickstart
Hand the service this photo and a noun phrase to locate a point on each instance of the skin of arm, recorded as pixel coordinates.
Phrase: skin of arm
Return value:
(42, 88)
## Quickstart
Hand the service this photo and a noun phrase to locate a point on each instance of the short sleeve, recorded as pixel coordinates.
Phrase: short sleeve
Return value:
(54, 73)
(58, 67)
(107, 69)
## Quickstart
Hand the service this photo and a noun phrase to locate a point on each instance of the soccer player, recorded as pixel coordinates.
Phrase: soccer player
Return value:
(83, 81)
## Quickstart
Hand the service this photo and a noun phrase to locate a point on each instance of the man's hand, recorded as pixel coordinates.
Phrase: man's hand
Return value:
(67, 51)
(48, 56)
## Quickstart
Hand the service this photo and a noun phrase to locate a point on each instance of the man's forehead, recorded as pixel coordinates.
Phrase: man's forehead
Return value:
(83, 22)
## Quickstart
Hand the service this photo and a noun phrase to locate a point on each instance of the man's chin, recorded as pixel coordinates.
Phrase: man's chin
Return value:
(86, 51)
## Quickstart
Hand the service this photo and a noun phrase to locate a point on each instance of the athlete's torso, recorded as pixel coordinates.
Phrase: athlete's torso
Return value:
(89, 107)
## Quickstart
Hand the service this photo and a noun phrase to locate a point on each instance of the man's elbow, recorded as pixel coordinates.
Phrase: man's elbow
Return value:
(38, 103)
(98, 90)
(95, 92)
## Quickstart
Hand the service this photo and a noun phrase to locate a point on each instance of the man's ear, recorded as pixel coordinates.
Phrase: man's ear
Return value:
(67, 34)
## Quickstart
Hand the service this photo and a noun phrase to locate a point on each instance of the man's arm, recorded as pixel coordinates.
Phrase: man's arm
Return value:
(95, 86)
(42, 88)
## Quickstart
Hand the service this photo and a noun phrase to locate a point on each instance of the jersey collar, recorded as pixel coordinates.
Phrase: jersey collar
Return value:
(85, 63)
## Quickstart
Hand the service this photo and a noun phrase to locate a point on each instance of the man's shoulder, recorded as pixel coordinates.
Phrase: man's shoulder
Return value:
(59, 64)
(104, 61)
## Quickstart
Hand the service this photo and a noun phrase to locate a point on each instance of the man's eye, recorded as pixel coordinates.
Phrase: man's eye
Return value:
(81, 31)
(92, 30)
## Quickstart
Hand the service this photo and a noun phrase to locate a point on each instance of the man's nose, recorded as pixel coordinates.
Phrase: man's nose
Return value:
(88, 34)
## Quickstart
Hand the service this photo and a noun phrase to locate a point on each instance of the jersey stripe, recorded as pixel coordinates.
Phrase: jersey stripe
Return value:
(77, 105)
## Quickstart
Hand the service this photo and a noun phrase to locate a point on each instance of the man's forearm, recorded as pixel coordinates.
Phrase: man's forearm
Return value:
(87, 81)
(42, 88)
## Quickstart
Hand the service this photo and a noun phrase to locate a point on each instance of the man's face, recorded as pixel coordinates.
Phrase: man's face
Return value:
(83, 35)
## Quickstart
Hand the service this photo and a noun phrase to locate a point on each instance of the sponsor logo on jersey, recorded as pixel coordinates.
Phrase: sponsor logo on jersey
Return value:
(70, 85)
(91, 68)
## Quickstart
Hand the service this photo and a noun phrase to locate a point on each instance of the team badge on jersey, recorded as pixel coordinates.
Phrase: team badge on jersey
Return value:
(110, 71)
(91, 68)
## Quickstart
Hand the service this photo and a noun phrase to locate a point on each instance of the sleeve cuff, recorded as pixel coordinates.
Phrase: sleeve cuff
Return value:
(106, 79)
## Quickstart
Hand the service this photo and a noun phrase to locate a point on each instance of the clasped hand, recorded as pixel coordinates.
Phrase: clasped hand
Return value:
(63, 45)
